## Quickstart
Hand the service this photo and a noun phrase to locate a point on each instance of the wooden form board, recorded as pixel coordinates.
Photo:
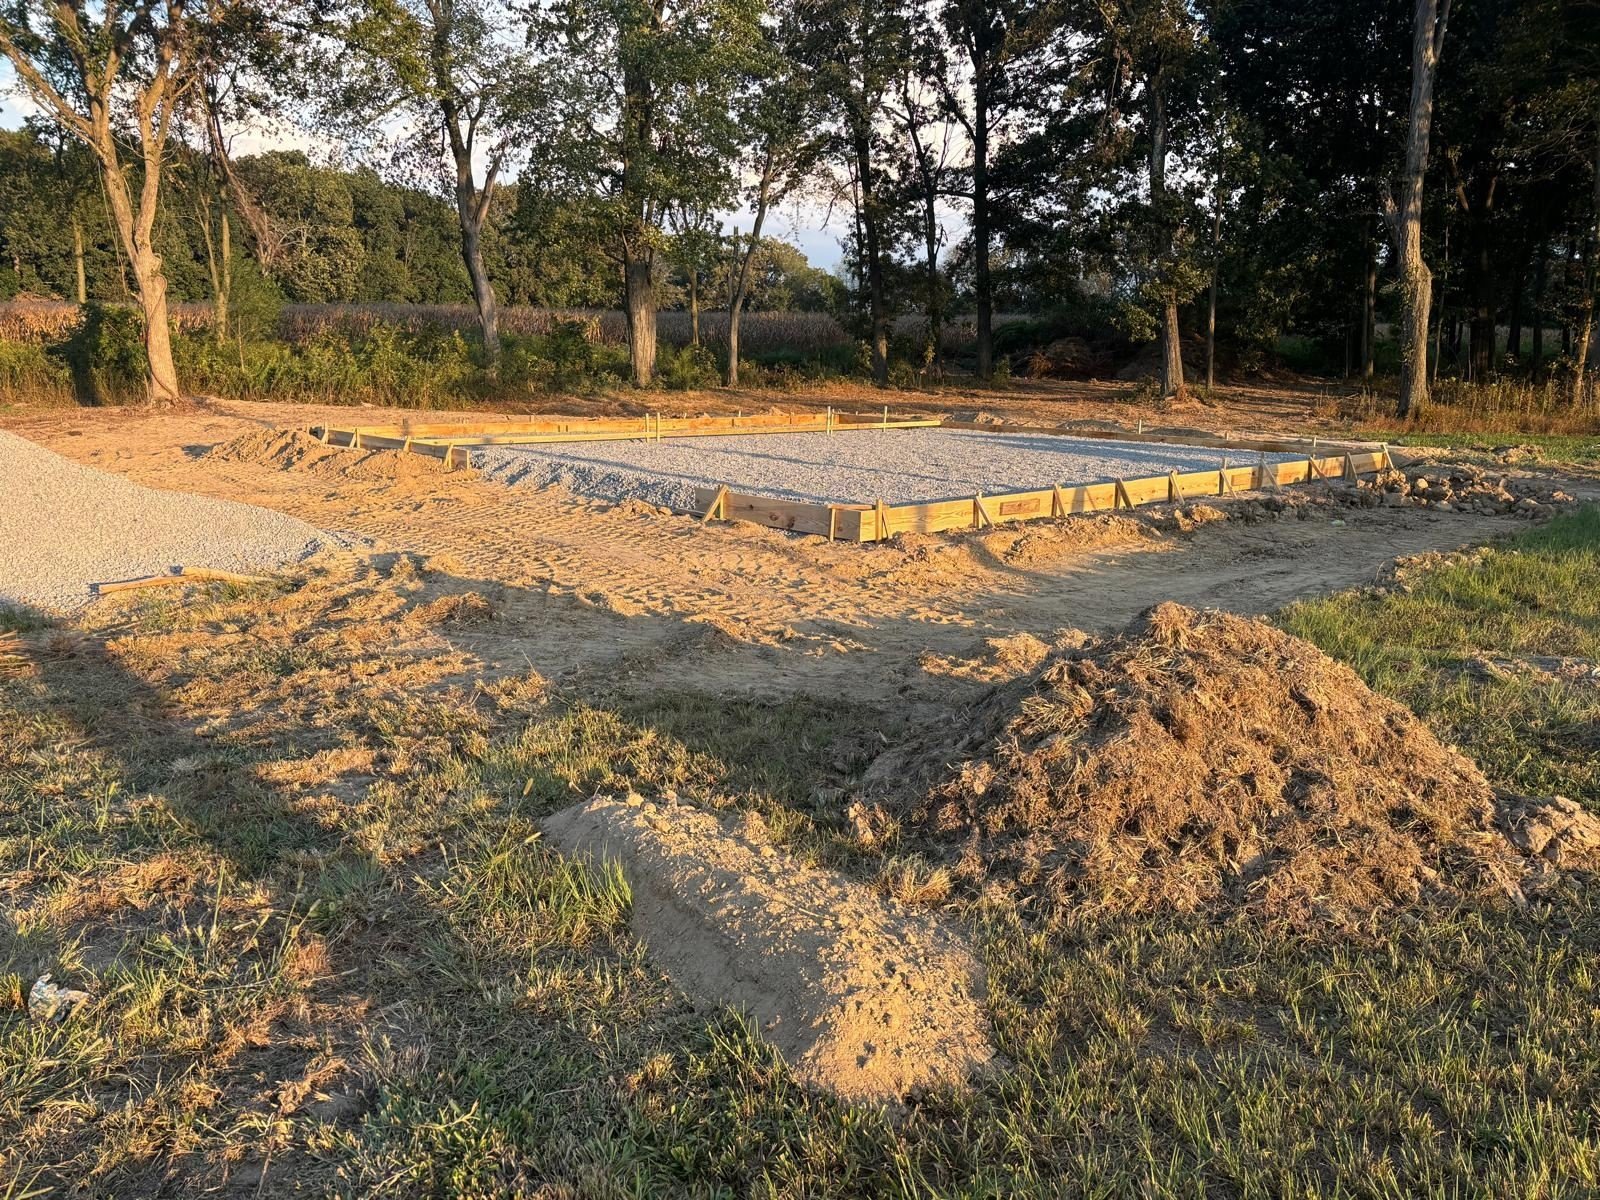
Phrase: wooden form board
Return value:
(511, 431)
(871, 523)
(1181, 437)
(452, 441)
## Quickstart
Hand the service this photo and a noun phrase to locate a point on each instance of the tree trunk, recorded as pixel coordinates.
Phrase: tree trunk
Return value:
(741, 285)
(470, 211)
(1536, 359)
(77, 260)
(694, 307)
(1405, 216)
(1369, 314)
(982, 277)
(161, 382)
(877, 307)
(640, 300)
(1172, 382)
(1591, 282)
(1483, 332)
(1211, 305)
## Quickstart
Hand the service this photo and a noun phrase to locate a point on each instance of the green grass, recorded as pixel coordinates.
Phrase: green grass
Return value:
(1554, 449)
(375, 979)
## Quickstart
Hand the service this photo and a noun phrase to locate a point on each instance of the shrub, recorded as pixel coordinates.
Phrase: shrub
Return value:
(687, 369)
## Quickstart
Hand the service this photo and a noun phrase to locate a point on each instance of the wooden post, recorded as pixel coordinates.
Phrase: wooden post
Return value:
(355, 438)
(881, 510)
(406, 448)
(1174, 492)
(1122, 496)
(1350, 472)
(886, 416)
(833, 521)
(980, 514)
(1058, 502)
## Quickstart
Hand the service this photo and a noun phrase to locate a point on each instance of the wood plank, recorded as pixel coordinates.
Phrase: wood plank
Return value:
(798, 516)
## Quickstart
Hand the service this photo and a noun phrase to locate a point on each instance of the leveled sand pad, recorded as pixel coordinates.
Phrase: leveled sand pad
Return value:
(859, 466)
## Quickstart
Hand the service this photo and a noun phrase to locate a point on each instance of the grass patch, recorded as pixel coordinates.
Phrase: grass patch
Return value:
(1554, 449)
(1537, 596)
(296, 861)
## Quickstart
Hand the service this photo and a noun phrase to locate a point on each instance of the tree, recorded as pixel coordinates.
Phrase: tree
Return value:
(995, 38)
(780, 111)
(118, 68)
(1405, 214)
(856, 50)
(408, 75)
(648, 126)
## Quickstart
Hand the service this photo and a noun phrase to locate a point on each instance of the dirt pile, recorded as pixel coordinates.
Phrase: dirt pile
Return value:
(861, 997)
(1208, 761)
(296, 450)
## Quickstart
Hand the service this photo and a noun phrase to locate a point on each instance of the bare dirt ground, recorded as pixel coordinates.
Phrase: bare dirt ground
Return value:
(626, 596)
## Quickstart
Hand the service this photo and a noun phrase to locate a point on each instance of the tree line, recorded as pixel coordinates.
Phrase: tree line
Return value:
(341, 235)
(1241, 163)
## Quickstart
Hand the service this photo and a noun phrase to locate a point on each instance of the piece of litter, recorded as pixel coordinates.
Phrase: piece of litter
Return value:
(49, 1002)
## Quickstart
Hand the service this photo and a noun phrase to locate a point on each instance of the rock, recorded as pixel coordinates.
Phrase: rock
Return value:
(50, 1002)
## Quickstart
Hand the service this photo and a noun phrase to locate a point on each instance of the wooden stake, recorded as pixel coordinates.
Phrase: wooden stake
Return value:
(355, 438)
(833, 521)
(1058, 502)
(182, 575)
(1350, 468)
(1174, 492)
(1122, 496)
(980, 514)
(882, 511)
(886, 416)
(719, 506)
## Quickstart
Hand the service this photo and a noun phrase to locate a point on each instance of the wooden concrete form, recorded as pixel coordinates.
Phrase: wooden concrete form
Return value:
(876, 522)
(443, 439)
(452, 441)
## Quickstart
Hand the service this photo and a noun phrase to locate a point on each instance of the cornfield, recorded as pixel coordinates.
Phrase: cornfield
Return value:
(38, 321)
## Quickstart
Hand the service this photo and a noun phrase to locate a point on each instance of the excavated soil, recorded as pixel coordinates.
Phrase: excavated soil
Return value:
(1206, 761)
(296, 450)
(861, 997)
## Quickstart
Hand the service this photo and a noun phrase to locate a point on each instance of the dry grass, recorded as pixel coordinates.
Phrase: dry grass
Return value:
(1507, 408)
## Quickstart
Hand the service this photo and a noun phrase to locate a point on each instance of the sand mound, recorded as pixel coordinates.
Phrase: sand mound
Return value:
(296, 450)
(1207, 761)
(861, 997)
(275, 447)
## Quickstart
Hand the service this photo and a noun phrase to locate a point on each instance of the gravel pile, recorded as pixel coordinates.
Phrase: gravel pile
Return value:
(65, 527)
(897, 465)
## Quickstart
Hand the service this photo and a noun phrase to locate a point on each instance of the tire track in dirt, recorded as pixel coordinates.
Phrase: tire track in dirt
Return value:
(626, 594)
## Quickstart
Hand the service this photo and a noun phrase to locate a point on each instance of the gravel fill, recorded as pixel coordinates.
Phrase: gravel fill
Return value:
(64, 527)
(899, 466)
